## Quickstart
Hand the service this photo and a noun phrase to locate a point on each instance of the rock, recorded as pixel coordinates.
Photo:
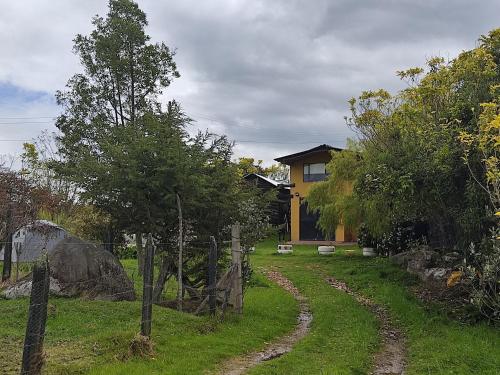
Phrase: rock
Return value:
(23, 289)
(401, 259)
(423, 263)
(435, 274)
(79, 268)
(416, 260)
(452, 258)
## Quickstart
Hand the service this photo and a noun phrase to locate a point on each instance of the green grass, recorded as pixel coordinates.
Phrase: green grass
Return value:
(343, 333)
(93, 336)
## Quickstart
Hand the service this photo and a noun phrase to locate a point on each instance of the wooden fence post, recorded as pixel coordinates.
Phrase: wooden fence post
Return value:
(237, 287)
(140, 252)
(212, 276)
(147, 294)
(37, 317)
(7, 254)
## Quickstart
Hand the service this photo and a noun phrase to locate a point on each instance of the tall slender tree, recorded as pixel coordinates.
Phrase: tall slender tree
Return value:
(111, 109)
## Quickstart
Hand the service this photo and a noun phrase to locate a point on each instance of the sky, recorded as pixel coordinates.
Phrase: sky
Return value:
(273, 75)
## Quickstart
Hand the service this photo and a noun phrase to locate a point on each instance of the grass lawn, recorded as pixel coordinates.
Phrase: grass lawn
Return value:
(93, 336)
(343, 335)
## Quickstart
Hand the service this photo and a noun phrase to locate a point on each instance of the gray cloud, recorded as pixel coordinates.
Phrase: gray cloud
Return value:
(258, 71)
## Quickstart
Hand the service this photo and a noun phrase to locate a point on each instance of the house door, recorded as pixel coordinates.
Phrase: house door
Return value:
(308, 229)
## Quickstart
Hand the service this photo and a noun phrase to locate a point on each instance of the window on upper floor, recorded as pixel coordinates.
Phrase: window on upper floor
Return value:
(315, 172)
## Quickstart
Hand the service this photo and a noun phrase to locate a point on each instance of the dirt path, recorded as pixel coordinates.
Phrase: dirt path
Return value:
(282, 345)
(390, 360)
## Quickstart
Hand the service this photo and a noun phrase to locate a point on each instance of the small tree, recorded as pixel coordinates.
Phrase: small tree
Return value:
(19, 203)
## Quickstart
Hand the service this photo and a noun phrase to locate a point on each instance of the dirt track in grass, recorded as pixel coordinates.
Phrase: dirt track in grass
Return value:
(391, 358)
(277, 348)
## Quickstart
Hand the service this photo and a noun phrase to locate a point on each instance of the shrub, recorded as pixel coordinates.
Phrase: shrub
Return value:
(482, 270)
(126, 252)
(401, 237)
(365, 237)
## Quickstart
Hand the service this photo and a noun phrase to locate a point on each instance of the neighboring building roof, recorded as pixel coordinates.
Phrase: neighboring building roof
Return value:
(264, 178)
(287, 159)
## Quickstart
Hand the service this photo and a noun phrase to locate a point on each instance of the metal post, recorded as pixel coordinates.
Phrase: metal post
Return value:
(147, 294)
(212, 276)
(237, 287)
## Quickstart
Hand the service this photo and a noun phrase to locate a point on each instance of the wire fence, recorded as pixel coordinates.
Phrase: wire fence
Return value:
(224, 291)
(37, 317)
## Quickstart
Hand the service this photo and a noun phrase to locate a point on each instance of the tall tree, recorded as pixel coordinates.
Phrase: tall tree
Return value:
(109, 109)
(131, 157)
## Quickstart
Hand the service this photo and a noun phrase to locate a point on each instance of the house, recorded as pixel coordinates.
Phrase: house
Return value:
(31, 240)
(279, 208)
(307, 167)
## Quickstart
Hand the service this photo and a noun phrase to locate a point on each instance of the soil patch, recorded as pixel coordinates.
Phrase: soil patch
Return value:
(280, 346)
(391, 358)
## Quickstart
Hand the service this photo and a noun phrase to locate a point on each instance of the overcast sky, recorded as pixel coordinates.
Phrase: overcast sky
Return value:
(273, 75)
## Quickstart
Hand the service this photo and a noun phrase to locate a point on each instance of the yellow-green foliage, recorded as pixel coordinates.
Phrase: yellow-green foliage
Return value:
(334, 197)
(486, 139)
(84, 221)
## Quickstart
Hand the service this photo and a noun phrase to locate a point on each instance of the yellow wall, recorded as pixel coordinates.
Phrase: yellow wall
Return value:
(302, 188)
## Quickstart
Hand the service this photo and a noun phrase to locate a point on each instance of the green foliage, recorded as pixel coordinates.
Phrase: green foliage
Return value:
(412, 167)
(126, 252)
(115, 137)
(247, 165)
(365, 238)
(130, 156)
(401, 237)
(84, 221)
(482, 269)
(334, 198)
(254, 220)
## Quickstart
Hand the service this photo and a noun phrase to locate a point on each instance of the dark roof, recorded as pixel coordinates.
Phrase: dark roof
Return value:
(267, 180)
(287, 159)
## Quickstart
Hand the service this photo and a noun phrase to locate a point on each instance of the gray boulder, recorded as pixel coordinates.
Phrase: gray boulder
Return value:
(435, 274)
(416, 259)
(421, 262)
(79, 268)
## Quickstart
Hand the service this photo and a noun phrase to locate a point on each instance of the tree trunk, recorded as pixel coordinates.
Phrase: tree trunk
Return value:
(18, 254)
(7, 254)
(212, 276)
(179, 262)
(165, 273)
(120, 102)
(113, 102)
(132, 88)
(140, 253)
(110, 237)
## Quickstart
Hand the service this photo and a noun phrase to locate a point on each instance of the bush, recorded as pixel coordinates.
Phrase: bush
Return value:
(482, 270)
(401, 238)
(126, 252)
(365, 237)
